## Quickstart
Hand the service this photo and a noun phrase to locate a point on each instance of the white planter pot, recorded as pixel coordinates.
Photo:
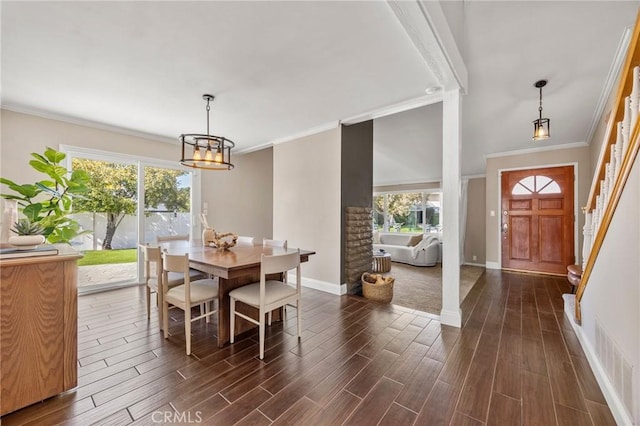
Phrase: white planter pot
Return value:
(26, 242)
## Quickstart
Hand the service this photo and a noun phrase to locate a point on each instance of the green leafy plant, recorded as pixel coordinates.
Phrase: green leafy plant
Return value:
(25, 227)
(48, 202)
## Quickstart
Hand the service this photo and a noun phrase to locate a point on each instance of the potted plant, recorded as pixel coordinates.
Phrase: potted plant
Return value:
(29, 234)
(48, 202)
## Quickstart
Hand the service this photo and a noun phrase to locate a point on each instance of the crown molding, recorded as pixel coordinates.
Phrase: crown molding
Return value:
(86, 123)
(610, 81)
(395, 108)
(536, 150)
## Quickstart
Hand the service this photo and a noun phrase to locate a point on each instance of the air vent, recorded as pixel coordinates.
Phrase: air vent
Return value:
(618, 369)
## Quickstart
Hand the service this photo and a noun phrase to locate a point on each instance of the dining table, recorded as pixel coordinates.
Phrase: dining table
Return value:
(235, 267)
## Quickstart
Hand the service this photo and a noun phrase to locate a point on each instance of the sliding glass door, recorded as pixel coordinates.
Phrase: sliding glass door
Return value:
(131, 201)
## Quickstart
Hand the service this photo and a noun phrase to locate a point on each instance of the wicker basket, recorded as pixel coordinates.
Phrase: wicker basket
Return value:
(376, 287)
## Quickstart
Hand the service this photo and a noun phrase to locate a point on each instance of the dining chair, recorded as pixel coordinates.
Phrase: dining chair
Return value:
(245, 240)
(187, 295)
(153, 277)
(268, 294)
(274, 243)
(175, 279)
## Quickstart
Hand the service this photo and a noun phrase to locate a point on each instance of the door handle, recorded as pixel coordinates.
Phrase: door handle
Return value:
(505, 227)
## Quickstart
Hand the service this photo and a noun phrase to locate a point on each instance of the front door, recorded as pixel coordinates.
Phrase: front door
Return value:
(537, 220)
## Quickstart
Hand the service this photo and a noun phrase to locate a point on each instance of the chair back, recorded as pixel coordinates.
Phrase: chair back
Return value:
(176, 263)
(245, 240)
(279, 262)
(179, 237)
(151, 255)
(274, 243)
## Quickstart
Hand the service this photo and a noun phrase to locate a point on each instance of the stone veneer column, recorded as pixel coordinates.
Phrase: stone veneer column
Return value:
(358, 241)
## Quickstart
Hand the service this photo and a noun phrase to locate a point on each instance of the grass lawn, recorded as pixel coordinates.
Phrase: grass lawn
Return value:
(103, 257)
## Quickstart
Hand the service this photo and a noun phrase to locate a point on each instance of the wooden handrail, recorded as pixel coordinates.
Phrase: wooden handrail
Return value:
(624, 88)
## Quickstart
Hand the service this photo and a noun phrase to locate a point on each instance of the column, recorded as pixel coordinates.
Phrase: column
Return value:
(451, 112)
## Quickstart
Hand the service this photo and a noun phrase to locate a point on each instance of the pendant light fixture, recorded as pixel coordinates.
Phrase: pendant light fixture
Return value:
(540, 125)
(217, 150)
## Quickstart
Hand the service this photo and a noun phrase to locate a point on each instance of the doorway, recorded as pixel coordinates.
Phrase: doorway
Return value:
(537, 219)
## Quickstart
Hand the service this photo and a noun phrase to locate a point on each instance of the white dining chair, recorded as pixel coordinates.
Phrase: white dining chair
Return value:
(247, 241)
(153, 277)
(268, 295)
(274, 243)
(187, 295)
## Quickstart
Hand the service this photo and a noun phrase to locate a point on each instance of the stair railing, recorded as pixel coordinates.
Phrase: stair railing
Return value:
(622, 140)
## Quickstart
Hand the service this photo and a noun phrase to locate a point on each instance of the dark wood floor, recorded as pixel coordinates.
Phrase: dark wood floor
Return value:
(515, 361)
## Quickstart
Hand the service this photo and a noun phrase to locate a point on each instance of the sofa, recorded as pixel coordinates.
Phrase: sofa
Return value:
(413, 249)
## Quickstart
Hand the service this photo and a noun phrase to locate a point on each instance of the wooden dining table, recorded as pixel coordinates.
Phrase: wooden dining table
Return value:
(234, 267)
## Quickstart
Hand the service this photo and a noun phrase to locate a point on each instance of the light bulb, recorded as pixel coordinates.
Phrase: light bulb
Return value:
(218, 158)
(196, 154)
(208, 156)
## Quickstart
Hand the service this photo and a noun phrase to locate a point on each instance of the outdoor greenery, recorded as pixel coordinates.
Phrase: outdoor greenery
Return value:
(402, 209)
(102, 257)
(113, 190)
(48, 202)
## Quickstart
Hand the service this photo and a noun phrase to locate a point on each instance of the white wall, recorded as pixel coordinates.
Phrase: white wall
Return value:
(23, 134)
(612, 296)
(241, 200)
(306, 203)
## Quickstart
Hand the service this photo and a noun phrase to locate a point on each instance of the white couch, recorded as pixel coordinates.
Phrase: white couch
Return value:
(413, 249)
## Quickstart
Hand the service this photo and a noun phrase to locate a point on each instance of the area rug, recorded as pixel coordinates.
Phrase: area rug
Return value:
(421, 287)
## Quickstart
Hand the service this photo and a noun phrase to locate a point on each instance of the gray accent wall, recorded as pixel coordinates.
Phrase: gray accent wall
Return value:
(357, 174)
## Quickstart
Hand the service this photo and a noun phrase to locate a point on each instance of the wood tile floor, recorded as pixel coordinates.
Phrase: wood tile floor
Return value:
(515, 361)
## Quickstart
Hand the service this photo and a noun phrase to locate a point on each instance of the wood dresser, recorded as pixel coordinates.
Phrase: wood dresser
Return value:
(38, 327)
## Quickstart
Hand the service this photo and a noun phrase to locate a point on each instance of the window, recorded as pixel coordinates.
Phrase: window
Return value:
(407, 212)
(536, 184)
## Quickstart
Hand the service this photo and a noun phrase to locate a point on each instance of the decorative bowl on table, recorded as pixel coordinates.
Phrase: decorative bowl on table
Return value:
(26, 242)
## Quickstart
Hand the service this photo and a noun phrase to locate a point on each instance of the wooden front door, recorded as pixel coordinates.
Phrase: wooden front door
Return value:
(537, 220)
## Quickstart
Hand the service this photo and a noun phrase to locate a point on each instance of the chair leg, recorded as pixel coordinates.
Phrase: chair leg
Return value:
(161, 312)
(232, 319)
(269, 315)
(299, 309)
(148, 303)
(165, 318)
(187, 328)
(207, 309)
(261, 334)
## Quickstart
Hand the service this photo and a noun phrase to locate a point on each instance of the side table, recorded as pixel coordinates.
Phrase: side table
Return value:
(381, 262)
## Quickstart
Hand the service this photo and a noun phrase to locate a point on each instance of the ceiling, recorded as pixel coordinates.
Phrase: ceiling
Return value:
(285, 69)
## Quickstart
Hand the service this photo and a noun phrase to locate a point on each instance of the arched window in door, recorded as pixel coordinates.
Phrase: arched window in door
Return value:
(536, 184)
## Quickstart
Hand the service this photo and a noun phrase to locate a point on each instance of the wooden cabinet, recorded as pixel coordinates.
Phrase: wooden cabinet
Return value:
(38, 328)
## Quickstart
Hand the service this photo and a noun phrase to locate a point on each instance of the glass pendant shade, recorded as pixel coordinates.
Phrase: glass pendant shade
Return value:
(541, 125)
(541, 129)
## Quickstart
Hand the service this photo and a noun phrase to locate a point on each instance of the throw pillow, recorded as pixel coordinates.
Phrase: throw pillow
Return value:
(415, 239)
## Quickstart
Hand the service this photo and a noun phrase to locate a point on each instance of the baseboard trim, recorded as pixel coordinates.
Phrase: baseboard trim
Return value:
(482, 265)
(615, 404)
(492, 265)
(452, 318)
(325, 286)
